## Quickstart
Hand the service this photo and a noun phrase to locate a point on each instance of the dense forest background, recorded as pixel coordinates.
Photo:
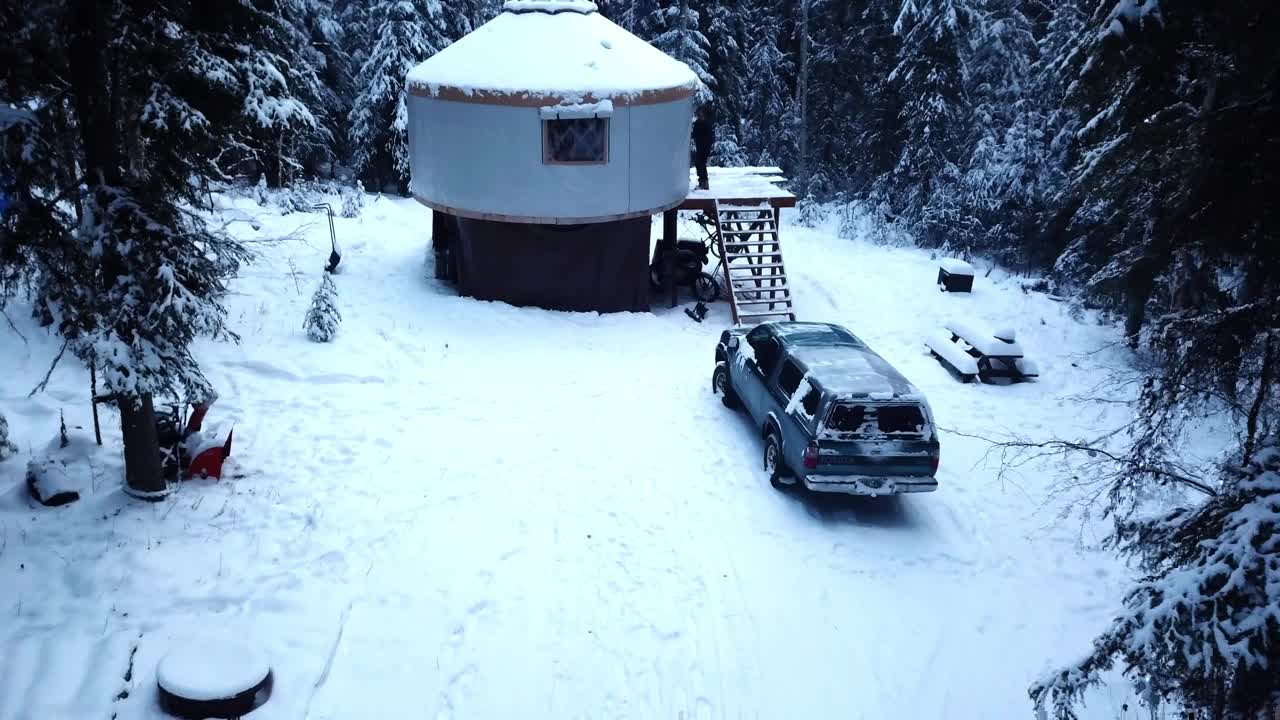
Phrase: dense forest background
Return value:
(1124, 152)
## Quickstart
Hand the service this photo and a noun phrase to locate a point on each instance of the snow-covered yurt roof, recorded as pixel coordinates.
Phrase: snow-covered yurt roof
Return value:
(539, 52)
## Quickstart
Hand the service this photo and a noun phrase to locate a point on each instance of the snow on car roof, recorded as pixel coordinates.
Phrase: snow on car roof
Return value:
(530, 50)
(853, 370)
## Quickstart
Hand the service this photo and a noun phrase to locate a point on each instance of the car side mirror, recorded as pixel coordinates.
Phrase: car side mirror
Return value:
(733, 342)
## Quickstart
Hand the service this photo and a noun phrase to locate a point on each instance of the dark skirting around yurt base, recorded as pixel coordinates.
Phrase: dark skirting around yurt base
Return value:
(601, 267)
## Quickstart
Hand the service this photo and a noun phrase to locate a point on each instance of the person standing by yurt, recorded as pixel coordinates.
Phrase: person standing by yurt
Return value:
(703, 138)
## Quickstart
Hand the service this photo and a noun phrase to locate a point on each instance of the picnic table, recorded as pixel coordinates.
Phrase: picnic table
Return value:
(972, 353)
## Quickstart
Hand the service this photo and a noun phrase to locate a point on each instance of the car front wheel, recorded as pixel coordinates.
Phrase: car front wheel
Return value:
(775, 464)
(721, 385)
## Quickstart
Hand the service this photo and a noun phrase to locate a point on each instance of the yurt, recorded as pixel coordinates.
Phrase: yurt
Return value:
(544, 142)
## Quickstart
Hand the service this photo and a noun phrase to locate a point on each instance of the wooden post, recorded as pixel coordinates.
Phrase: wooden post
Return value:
(669, 219)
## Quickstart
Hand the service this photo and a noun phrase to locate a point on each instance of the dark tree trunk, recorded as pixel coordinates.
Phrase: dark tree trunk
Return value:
(1260, 400)
(1136, 292)
(1138, 286)
(142, 465)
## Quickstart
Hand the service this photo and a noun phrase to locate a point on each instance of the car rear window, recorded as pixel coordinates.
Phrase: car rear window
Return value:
(869, 420)
(846, 418)
(900, 419)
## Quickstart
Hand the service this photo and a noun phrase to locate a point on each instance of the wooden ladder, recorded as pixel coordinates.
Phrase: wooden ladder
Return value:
(753, 268)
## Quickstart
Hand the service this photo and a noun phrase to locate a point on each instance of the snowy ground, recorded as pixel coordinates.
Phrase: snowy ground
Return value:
(467, 510)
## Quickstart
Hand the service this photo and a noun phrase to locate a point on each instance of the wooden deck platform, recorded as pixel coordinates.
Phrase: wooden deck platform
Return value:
(729, 187)
(738, 186)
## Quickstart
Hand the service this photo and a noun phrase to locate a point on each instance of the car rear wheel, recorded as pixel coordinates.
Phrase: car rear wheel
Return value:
(722, 386)
(775, 464)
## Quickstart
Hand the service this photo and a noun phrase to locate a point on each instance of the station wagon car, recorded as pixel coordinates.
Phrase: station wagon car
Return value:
(834, 416)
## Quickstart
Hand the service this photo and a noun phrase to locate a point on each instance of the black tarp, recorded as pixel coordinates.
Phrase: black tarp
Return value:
(599, 266)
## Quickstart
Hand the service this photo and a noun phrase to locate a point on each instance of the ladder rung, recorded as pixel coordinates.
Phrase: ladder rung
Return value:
(756, 266)
(779, 301)
(749, 232)
(750, 242)
(760, 255)
(776, 288)
(769, 314)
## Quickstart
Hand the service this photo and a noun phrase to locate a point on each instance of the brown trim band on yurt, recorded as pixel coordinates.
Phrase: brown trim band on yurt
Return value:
(534, 220)
(496, 97)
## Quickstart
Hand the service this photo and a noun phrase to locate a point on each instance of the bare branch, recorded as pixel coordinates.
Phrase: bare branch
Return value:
(45, 382)
(1017, 451)
(14, 327)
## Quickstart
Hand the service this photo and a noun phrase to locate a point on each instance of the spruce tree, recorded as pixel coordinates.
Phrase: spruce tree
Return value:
(765, 106)
(1166, 219)
(323, 316)
(673, 28)
(123, 259)
(933, 116)
(406, 34)
(1008, 177)
(261, 84)
(7, 448)
(724, 26)
(1201, 629)
(856, 107)
(323, 33)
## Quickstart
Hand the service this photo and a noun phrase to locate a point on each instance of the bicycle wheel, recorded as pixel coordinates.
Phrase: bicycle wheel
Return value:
(705, 288)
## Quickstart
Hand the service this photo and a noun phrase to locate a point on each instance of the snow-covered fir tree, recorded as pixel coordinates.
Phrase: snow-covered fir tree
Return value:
(323, 316)
(765, 105)
(928, 79)
(127, 267)
(673, 27)
(330, 57)
(407, 32)
(1201, 630)
(723, 25)
(1005, 180)
(263, 86)
(634, 16)
(7, 448)
(855, 110)
(352, 200)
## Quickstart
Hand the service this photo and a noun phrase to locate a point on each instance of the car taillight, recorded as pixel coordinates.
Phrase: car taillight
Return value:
(936, 459)
(811, 457)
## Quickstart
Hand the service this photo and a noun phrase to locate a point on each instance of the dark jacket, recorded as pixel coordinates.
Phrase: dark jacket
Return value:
(703, 134)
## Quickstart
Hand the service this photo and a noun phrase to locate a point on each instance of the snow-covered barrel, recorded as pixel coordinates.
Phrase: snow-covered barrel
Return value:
(552, 114)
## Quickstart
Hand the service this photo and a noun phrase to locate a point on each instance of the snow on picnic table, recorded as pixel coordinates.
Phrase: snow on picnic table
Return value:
(462, 509)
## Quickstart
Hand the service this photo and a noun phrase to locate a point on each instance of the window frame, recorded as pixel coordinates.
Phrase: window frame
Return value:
(789, 364)
(546, 144)
(813, 397)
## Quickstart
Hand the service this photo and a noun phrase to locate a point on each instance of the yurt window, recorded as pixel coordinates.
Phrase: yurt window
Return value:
(575, 140)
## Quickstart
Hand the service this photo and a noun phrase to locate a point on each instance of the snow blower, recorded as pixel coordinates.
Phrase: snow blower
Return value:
(187, 452)
(335, 253)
